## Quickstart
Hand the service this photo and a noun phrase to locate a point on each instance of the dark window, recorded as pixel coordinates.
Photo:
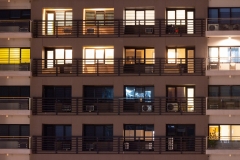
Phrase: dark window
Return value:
(59, 131)
(223, 91)
(14, 130)
(57, 91)
(98, 92)
(14, 91)
(180, 130)
(104, 132)
(15, 14)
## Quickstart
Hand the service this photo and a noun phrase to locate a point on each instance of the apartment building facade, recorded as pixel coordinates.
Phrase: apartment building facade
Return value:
(117, 79)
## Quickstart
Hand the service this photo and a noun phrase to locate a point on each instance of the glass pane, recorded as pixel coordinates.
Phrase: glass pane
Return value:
(4, 130)
(235, 54)
(68, 18)
(213, 91)
(225, 91)
(150, 55)
(171, 56)
(225, 132)
(224, 14)
(14, 130)
(190, 22)
(139, 17)
(59, 132)
(109, 55)
(100, 17)
(130, 92)
(130, 56)
(224, 54)
(49, 59)
(99, 55)
(140, 134)
(50, 23)
(140, 56)
(139, 92)
(99, 131)
(90, 55)
(4, 53)
(59, 56)
(25, 55)
(180, 17)
(213, 15)
(171, 92)
(236, 91)
(129, 135)
(213, 132)
(213, 54)
(181, 55)
(235, 132)
(171, 17)
(149, 92)
(130, 17)
(25, 130)
(181, 92)
(14, 55)
(149, 135)
(149, 17)
(68, 56)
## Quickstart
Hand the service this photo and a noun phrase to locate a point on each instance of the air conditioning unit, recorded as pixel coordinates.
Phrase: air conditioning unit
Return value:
(126, 146)
(149, 30)
(90, 108)
(172, 107)
(66, 108)
(90, 146)
(149, 146)
(90, 31)
(213, 27)
(147, 108)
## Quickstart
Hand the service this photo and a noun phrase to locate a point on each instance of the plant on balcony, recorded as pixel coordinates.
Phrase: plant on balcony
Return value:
(212, 139)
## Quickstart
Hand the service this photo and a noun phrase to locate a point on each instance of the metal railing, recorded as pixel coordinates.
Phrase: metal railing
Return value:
(15, 142)
(119, 28)
(224, 142)
(223, 24)
(14, 103)
(118, 145)
(119, 106)
(223, 103)
(119, 67)
(223, 63)
(15, 25)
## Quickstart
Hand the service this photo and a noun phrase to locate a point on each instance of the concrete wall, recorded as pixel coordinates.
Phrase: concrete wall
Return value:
(224, 3)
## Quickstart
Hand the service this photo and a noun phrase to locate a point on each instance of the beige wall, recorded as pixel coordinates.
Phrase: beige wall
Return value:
(224, 3)
(15, 4)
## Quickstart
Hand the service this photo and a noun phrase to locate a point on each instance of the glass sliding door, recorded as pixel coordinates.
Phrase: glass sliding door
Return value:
(50, 20)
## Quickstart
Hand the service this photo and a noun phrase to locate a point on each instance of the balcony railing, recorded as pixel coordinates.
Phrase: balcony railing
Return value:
(14, 103)
(14, 25)
(119, 28)
(223, 63)
(119, 67)
(223, 103)
(14, 64)
(224, 142)
(118, 145)
(223, 24)
(14, 142)
(119, 106)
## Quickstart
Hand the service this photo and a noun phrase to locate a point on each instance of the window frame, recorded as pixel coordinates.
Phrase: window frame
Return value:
(95, 137)
(218, 136)
(135, 137)
(22, 16)
(186, 54)
(219, 90)
(20, 55)
(20, 129)
(104, 21)
(95, 60)
(135, 60)
(20, 88)
(136, 22)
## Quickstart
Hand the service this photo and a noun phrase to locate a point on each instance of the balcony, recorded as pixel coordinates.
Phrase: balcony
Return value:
(118, 67)
(223, 145)
(15, 29)
(15, 106)
(117, 28)
(223, 106)
(224, 66)
(118, 106)
(223, 27)
(117, 145)
(14, 67)
(15, 145)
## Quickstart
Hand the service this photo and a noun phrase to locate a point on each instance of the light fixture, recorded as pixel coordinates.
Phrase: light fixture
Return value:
(7, 77)
(7, 116)
(7, 154)
(229, 115)
(229, 37)
(230, 155)
(8, 39)
(8, 0)
(230, 76)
